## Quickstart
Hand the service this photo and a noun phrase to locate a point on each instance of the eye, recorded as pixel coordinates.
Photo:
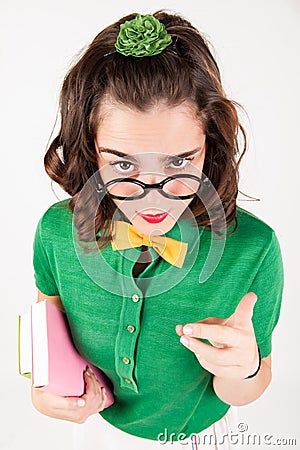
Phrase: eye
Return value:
(179, 163)
(123, 166)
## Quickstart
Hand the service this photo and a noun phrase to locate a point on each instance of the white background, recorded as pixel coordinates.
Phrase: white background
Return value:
(257, 47)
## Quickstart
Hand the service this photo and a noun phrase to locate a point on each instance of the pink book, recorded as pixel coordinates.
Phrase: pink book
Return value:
(57, 366)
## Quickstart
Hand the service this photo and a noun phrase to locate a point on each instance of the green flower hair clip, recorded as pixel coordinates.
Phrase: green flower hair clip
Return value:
(142, 36)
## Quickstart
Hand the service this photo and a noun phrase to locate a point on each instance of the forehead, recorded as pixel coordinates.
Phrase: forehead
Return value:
(161, 129)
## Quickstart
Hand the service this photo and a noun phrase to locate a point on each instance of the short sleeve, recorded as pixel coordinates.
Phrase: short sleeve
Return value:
(268, 286)
(43, 274)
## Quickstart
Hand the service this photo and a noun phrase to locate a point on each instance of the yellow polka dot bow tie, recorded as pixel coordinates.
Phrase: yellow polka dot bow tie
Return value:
(126, 236)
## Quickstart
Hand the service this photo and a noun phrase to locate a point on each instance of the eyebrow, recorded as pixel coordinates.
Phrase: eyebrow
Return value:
(122, 155)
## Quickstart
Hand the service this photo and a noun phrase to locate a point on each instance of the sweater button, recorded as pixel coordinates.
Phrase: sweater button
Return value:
(128, 380)
(126, 360)
(130, 328)
(135, 298)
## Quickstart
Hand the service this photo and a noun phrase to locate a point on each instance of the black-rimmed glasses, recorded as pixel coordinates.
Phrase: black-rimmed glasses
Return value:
(174, 187)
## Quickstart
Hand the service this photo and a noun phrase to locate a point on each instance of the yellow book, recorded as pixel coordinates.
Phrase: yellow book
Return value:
(24, 345)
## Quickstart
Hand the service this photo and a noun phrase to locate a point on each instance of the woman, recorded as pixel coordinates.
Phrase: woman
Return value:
(179, 305)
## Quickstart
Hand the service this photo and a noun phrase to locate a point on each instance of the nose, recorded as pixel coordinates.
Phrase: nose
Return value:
(151, 178)
(153, 196)
(154, 199)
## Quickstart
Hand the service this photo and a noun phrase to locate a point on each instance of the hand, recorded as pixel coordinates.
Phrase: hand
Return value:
(234, 352)
(74, 409)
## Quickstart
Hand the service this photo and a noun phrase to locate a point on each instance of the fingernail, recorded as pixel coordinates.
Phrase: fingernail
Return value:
(89, 371)
(187, 329)
(254, 295)
(184, 341)
(80, 402)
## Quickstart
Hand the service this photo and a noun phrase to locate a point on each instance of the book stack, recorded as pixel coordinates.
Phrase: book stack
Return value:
(47, 354)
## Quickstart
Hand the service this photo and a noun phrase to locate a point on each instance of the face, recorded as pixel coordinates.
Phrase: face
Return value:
(150, 146)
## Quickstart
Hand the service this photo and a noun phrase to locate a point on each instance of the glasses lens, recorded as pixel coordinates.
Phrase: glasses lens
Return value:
(181, 186)
(124, 189)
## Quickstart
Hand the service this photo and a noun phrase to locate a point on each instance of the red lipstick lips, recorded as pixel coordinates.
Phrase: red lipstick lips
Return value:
(154, 218)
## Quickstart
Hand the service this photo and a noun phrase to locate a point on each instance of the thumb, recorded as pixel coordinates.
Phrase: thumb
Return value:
(243, 312)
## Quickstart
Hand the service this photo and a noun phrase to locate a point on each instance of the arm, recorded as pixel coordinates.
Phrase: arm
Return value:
(55, 299)
(232, 355)
(241, 392)
(73, 409)
(268, 284)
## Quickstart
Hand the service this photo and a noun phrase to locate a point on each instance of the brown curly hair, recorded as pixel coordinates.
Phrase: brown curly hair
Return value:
(185, 70)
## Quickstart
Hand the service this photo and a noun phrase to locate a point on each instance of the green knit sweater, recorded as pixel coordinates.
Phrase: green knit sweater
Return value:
(126, 326)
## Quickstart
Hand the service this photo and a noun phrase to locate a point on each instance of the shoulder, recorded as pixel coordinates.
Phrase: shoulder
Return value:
(249, 221)
(253, 237)
(253, 229)
(56, 220)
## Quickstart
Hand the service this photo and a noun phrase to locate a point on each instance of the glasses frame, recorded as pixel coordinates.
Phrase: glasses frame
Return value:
(149, 187)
